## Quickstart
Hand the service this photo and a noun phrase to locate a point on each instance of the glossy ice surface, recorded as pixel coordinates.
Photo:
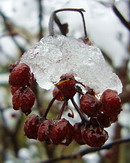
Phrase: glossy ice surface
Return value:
(54, 56)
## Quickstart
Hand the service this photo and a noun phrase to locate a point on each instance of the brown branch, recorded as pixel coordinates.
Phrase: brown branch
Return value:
(9, 27)
(65, 26)
(122, 19)
(40, 18)
(8, 135)
(86, 151)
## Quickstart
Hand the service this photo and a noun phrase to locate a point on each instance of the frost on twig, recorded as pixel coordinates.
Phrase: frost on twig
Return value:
(54, 56)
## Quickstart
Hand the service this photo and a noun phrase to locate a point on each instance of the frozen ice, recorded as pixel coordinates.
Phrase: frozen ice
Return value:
(54, 56)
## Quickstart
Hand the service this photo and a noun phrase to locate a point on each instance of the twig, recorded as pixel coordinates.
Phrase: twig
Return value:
(62, 110)
(49, 106)
(53, 17)
(40, 18)
(87, 150)
(8, 24)
(122, 19)
(63, 27)
(79, 111)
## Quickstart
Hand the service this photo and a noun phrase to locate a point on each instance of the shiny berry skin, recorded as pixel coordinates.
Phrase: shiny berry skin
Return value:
(44, 131)
(95, 137)
(90, 105)
(60, 96)
(78, 129)
(23, 99)
(67, 87)
(31, 126)
(61, 132)
(19, 76)
(111, 103)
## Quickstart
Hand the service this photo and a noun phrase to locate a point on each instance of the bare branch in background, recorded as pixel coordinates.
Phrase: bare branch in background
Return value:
(9, 27)
(40, 9)
(86, 151)
(122, 19)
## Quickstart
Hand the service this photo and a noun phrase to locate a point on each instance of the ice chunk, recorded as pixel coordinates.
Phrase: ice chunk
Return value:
(54, 56)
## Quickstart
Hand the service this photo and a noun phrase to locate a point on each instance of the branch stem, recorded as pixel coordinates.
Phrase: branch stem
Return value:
(62, 110)
(122, 19)
(49, 106)
(86, 151)
(53, 16)
(78, 110)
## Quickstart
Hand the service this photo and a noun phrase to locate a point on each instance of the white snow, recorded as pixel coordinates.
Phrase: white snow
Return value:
(54, 56)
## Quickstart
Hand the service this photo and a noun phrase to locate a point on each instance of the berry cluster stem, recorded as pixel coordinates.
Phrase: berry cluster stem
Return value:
(49, 106)
(62, 110)
(78, 110)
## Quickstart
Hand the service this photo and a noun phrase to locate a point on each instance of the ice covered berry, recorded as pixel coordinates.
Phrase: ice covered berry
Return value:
(111, 103)
(31, 126)
(78, 129)
(44, 131)
(19, 75)
(90, 105)
(67, 76)
(95, 137)
(61, 132)
(23, 99)
(67, 86)
(58, 94)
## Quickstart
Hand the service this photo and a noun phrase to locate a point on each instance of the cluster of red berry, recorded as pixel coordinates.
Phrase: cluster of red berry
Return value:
(20, 80)
(96, 113)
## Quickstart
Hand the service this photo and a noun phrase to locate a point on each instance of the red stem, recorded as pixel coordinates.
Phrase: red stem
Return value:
(49, 106)
(62, 110)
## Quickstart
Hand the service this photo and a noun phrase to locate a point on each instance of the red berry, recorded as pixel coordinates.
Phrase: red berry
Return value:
(67, 76)
(61, 132)
(101, 120)
(19, 76)
(44, 131)
(90, 105)
(113, 119)
(95, 137)
(13, 89)
(31, 126)
(67, 87)
(78, 129)
(60, 96)
(111, 103)
(23, 99)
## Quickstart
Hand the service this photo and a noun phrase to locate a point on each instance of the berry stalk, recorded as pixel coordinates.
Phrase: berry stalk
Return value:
(49, 106)
(78, 110)
(62, 110)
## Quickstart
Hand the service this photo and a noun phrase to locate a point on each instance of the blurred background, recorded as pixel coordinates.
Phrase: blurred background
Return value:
(25, 22)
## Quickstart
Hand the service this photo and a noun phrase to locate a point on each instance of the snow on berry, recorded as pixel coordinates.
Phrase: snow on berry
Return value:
(54, 56)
